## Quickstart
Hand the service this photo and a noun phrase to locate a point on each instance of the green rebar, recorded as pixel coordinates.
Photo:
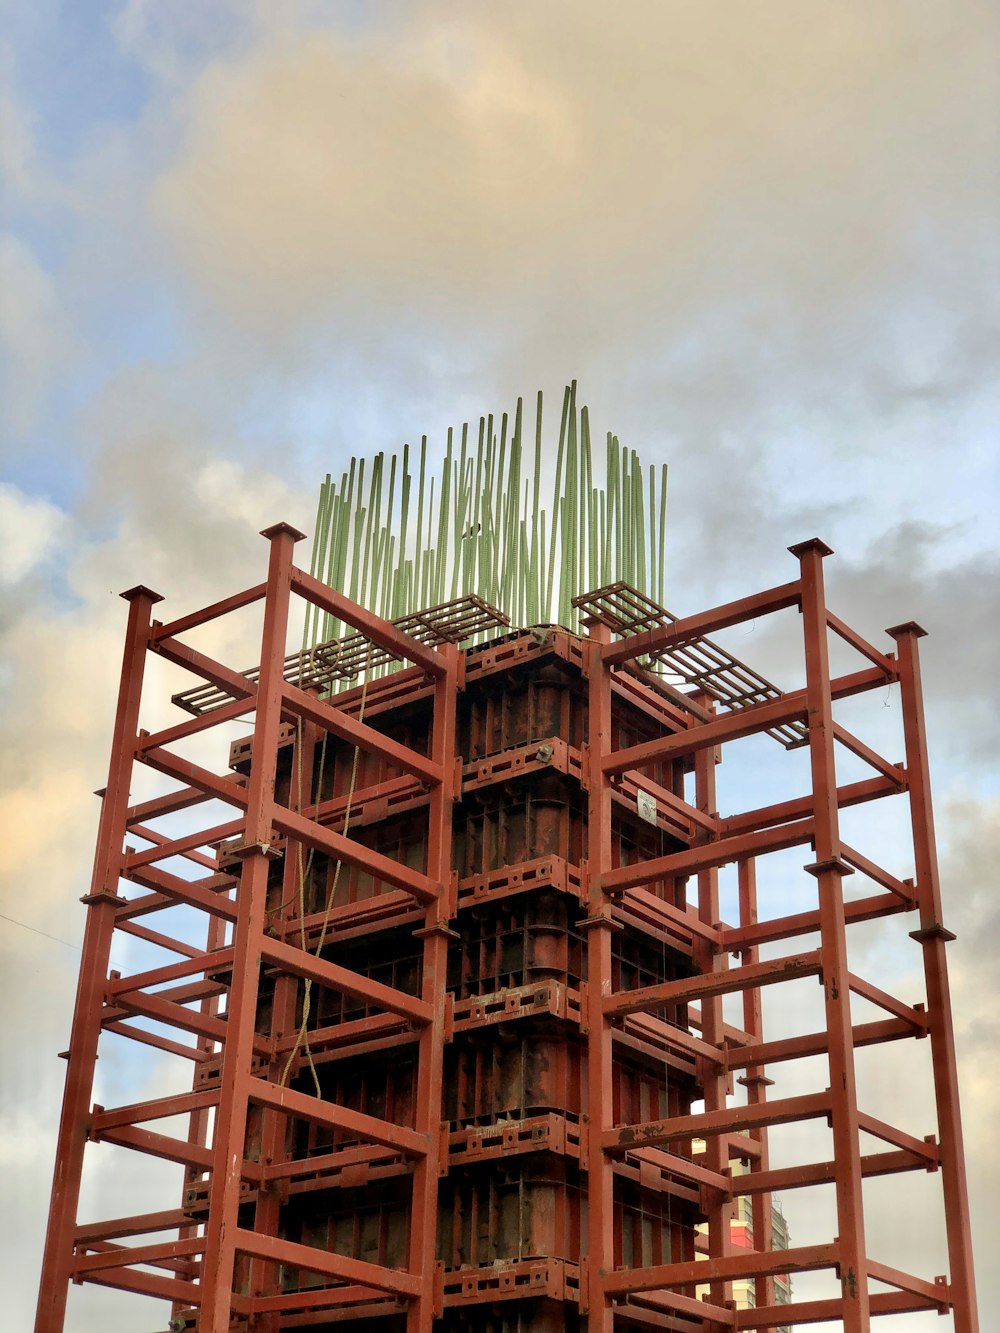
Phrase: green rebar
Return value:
(481, 525)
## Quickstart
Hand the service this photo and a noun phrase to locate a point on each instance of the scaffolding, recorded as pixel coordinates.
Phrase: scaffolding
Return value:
(455, 1014)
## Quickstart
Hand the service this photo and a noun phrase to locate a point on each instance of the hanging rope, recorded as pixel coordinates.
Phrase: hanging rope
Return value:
(305, 868)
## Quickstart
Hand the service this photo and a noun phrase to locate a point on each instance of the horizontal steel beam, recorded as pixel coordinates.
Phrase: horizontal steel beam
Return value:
(723, 1316)
(735, 938)
(359, 734)
(163, 1146)
(714, 983)
(304, 1107)
(151, 836)
(823, 1173)
(158, 1043)
(158, 938)
(916, 1018)
(895, 773)
(212, 612)
(916, 1286)
(202, 964)
(168, 804)
(903, 891)
(826, 1311)
(363, 1301)
(885, 662)
(193, 726)
(340, 848)
(148, 1284)
(721, 1269)
(706, 622)
(141, 1224)
(736, 724)
(708, 854)
(742, 1056)
(157, 1108)
(183, 770)
(118, 1256)
(724, 727)
(303, 964)
(653, 1133)
(208, 894)
(170, 1013)
(182, 846)
(326, 1262)
(341, 1158)
(373, 627)
(851, 793)
(233, 682)
(926, 1149)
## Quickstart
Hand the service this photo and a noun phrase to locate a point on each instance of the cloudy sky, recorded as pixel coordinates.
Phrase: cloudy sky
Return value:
(241, 241)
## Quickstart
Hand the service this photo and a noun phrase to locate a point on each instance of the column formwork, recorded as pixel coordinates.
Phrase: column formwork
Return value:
(468, 1042)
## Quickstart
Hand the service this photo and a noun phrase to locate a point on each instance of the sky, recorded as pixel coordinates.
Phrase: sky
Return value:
(243, 241)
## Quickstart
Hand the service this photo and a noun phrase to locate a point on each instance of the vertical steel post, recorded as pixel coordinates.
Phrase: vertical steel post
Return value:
(714, 1078)
(933, 937)
(274, 1123)
(829, 869)
(755, 1079)
(599, 1258)
(102, 902)
(430, 1051)
(251, 898)
(198, 1121)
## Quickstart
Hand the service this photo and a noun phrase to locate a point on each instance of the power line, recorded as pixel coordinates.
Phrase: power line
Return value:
(36, 931)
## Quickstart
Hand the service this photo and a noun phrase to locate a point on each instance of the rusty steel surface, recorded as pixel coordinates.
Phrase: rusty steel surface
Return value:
(450, 974)
(334, 660)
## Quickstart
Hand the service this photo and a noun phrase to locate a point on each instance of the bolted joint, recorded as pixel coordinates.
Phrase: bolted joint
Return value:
(139, 592)
(908, 629)
(282, 529)
(813, 544)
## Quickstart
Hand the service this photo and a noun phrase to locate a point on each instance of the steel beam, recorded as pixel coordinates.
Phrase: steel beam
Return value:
(802, 1259)
(932, 938)
(598, 926)
(102, 902)
(829, 869)
(231, 1117)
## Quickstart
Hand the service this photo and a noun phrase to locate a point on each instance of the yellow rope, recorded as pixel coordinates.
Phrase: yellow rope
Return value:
(302, 1036)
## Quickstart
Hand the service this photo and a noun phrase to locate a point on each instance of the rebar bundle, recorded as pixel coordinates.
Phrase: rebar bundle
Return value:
(484, 525)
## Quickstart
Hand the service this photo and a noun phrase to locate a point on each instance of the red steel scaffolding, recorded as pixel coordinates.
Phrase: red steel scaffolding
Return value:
(458, 994)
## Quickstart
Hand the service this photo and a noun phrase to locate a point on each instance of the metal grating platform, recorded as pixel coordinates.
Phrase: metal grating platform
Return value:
(317, 668)
(699, 662)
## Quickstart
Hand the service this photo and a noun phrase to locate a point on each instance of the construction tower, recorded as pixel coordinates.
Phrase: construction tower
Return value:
(445, 953)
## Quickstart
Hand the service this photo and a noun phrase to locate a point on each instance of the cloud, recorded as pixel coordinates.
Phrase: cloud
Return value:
(764, 247)
(455, 158)
(36, 337)
(29, 530)
(188, 527)
(912, 575)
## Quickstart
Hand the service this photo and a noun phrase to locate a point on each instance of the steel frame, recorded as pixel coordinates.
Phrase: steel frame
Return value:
(225, 1233)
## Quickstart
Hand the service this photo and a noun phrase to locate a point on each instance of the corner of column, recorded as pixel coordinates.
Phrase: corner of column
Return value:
(909, 629)
(141, 593)
(814, 545)
(282, 530)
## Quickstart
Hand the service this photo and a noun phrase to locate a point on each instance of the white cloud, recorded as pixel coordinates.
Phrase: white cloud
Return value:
(36, 337)
(30, 528)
